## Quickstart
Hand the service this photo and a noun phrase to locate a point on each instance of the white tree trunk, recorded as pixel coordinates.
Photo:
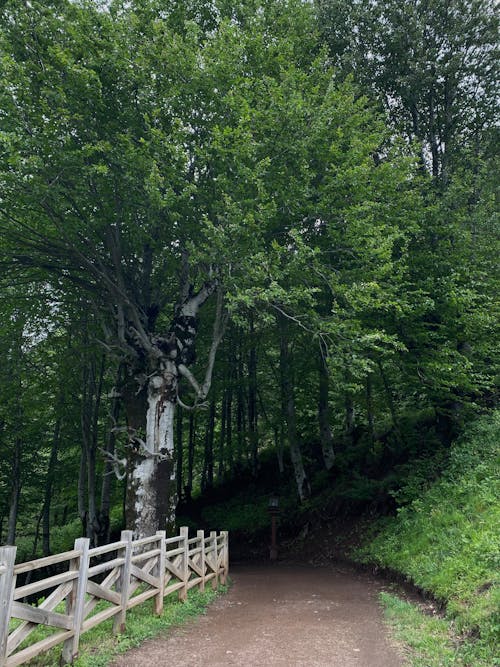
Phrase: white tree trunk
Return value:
(151, 485)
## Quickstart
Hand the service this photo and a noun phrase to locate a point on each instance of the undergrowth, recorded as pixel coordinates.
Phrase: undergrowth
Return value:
(446, 542)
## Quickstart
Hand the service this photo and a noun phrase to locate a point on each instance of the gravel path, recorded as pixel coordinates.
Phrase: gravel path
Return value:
(281, 616)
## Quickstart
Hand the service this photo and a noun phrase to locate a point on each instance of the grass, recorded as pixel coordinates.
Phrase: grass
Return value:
(446, 542)
(430, 641)
(426, 638)
(99, 646)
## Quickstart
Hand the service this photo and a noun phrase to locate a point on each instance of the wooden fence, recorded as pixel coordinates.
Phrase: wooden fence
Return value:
(98, 584)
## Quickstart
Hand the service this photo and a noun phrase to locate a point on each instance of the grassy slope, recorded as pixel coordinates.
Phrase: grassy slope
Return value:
(447, 542)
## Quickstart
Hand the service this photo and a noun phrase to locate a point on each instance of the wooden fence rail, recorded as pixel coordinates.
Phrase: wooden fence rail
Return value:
(97, 584)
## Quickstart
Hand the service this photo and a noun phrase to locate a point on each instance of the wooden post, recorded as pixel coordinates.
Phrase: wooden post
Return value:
(183, 592)
(215, 556)
(225, 562)
(7, 588)
(201, 539)
(76, 599)
(123, 583)
(160, 572)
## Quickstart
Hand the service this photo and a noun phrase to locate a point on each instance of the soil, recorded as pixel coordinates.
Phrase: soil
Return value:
(282, 615)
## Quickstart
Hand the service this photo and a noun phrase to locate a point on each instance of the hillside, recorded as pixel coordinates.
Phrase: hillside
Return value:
(442, 538)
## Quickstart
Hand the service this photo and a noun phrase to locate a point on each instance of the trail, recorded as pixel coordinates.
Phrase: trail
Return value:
(281, 616)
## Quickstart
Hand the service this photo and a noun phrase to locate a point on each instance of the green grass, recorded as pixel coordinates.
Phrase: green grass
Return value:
(99, 646)
(426, 638)
(446, 542)
(429, 641)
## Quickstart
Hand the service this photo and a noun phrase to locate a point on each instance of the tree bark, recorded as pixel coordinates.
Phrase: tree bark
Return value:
(82, 488)
(15, 492)
(240, 412)
(369, 408)
(151, 488)
(188, 489)
(222, 435)
(49, 483)
(179, 455)
(107, 475)
(252, 400)
(325, 433)
(288, 410)
(207, 480)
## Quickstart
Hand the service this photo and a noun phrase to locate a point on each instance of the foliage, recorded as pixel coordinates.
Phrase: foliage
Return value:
(446, 539)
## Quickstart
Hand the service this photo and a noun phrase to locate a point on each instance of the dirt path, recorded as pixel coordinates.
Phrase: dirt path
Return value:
(282, 616)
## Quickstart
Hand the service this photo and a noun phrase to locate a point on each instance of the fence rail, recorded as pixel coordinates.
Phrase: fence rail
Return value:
(94, 590)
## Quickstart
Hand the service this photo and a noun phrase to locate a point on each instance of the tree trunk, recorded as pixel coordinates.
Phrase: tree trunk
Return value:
(390, 400)
(240, 413)
(252, 400)
(82, 490)
(207, 480)
(229, 427)
(151, 398)
(279, 443)
(369, 408)
(350, 417)
(107, 475)
(222, 436)
(49, 482)
(325, 433)
(151, 487)
(92, 382)
(188, 489)
(15, 493)
(179, 455)
(288, 410)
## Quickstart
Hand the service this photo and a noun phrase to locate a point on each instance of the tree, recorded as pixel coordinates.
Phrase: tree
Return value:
(431, 64)
(119, 179)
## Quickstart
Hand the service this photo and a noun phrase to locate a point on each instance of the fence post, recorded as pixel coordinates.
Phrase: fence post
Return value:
(160, 572)
(200, 534)
(183, 592)
(225, 562)
(123, 583)
(7, 588)
(215, 556)
(76, 599)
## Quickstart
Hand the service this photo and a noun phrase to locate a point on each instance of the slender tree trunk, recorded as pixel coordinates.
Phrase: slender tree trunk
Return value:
(390, 400)
(82, 490)
(229, 427)
(191, 443)
(279, 443)
(222, 436)
(240, 412)
(49, 483)
(369, 408)
(326, 437)
(92, 390)
(207, 481)
(15, 492)
(288, 410)
(107, 475)
(350, 417)
(252, 400)
(179, 455)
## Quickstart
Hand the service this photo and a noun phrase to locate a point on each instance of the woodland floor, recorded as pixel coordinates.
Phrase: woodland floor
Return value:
(282, 616)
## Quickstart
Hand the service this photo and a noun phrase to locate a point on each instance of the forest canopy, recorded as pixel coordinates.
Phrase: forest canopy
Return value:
(229, 229)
